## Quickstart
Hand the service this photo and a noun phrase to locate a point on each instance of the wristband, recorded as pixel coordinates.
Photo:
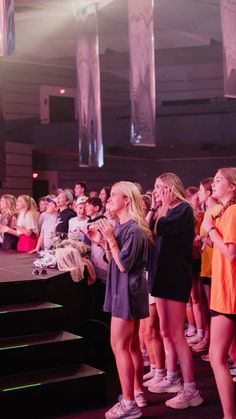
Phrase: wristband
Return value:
(152, 209)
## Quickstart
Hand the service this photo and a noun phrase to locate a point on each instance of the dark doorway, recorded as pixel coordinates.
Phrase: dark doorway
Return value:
(40, 188)
(61, 109)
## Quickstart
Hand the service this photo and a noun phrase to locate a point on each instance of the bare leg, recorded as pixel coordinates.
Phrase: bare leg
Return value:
(172, 318)
(153, 338)
(122, 332)
(222, 332)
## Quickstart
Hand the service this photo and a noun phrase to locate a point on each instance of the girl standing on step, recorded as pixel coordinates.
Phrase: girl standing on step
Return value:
(126, 293)
(222, 232)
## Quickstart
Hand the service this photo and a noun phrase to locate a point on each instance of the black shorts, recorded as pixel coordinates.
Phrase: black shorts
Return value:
(229, 316)
(206, 280)
(196, 266)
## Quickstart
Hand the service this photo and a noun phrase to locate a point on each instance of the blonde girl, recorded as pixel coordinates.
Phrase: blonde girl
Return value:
(126, 292)
(174, 229)
(221, 229)
(8, 221)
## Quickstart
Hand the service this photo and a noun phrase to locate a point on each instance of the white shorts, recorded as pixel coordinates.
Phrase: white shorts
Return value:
(151, 299)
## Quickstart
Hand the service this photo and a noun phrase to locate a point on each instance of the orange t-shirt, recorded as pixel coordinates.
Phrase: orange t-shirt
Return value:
(223, 290)
(206, 255)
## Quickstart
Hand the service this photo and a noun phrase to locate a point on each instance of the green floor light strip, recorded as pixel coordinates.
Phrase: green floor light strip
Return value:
(21, 387)
(13, 347)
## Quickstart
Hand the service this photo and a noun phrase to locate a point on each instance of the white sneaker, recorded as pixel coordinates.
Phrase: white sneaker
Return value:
(185, 398)
(140, 399)
(120, 410)
(190, 331)
(194, 340)
(166, 386)
(149, 374)
(153, 381)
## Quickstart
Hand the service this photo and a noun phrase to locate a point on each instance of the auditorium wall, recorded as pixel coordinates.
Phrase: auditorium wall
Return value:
(195, 127)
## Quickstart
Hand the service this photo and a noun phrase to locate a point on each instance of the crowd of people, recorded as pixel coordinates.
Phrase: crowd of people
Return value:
(165, 265)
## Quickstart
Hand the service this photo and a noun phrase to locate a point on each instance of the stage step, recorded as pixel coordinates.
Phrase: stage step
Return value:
(46, 393)
(20, 292)
(40, 351)
(30, 318)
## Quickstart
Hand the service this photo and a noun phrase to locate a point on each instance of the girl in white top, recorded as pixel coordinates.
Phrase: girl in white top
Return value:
(27, 224)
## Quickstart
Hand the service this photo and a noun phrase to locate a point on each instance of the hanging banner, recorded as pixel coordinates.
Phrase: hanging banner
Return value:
(228, 23)
(7, 27)
(89, 91)
(142, 72)
(2, 132)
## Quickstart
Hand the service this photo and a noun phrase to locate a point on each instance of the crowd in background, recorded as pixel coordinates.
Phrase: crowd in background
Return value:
(165, 265)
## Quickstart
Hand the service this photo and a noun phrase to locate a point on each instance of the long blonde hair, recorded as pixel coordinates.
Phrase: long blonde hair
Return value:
(130, 190)
(30, 206)
(229, 174)
(11, 200)
(171, 180)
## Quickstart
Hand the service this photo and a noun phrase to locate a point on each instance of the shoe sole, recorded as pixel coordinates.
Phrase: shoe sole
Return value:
(195, 403)
(137, 415)
(199, 349)
(165, 390)
(144, 404)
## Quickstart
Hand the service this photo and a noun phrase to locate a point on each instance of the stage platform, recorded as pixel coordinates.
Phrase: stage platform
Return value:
(15, 266)
(48, 336)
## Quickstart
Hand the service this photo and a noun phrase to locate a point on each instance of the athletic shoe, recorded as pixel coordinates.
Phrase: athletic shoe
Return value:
(193, 340)
(166, 386)
(120, 410)
(185, 398)
(149, 374)
(190, 331)
(201, 346)
(139, 398)
(205, 358)
(153, 381)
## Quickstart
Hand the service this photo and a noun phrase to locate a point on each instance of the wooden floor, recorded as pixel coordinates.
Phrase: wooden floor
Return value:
(156, 409)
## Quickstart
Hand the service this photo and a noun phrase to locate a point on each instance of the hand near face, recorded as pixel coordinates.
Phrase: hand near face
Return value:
(167, 196)
(106, 229)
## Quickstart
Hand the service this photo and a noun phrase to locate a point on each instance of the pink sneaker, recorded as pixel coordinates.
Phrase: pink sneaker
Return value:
(205, 358)
(119, 410)
(166, 386)
(201, 346)
(185, 398)
(153, 381)
(193, 340)
(149, 374)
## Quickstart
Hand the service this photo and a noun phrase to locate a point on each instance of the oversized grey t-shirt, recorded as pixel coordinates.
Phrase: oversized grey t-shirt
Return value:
(126, 292)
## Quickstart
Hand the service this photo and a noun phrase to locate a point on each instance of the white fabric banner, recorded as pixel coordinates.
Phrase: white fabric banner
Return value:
(7, 27)
(89, 93)
(228, 23)
(142, 72)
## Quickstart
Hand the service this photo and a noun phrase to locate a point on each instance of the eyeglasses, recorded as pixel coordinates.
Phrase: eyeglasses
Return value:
(37, 272)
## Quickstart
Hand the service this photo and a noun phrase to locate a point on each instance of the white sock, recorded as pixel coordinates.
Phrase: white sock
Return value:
(160, 372)
(128, 403)
(172, 375)
(137, 392)
(200, 333)
(190, 386)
